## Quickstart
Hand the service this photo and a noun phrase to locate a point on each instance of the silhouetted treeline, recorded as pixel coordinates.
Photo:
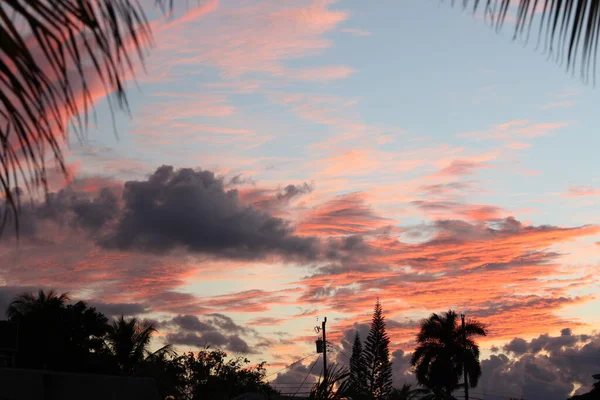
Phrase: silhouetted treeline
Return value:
(53, 334)
(56, 335)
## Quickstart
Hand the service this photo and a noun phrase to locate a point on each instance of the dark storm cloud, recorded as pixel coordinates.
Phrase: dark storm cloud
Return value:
(191, 209)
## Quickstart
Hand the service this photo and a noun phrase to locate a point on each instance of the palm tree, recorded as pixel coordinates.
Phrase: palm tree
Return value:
(406, 392)
(444, 349)
(129, 342)
(334, 386)
(53, 56)
(26, 303)
(567, 30)
(40, 321)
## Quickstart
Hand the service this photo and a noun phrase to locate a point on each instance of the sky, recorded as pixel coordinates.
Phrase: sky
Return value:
(286, 161)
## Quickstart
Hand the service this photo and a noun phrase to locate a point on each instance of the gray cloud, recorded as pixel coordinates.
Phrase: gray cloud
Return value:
(275, 201)
(444, 189)
(215, 330)
(517, 346)
(191, 323)
(545, 367)
(191, 209)
(290, 381)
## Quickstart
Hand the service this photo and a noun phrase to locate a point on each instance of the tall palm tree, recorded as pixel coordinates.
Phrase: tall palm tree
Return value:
(129, 341)
(26, 303)
(53, 56)
(567, 31)
(444, 349)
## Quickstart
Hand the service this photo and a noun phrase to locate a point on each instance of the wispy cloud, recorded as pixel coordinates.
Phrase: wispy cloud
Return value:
(356, 32)
(582, 191)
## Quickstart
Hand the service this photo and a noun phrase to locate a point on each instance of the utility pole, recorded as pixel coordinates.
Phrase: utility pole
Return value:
(462, 316)
(324, 350)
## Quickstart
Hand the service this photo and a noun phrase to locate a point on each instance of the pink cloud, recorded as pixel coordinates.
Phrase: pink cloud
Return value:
(582, 191)
(324, 73)
(461, 168)
(265, 35)
(515, 130)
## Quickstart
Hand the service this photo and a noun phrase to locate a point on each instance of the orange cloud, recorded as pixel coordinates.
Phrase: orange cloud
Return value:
(346, 214)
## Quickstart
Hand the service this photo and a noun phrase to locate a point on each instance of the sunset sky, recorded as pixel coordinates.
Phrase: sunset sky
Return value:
(288, 160)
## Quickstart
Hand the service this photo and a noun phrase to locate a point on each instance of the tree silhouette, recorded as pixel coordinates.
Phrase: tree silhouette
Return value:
(443, 350)
(209, 373)
(377, 356)
(44, 302)
(334, 386)
(406, 392)
(54, 57)
(593, 394)
(129, 342)
(58, 336)
(74, 337)
(568, 31)
(358, 369)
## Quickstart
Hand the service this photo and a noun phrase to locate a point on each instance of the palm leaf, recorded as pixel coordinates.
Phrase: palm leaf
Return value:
(567, 30)
(50, 51)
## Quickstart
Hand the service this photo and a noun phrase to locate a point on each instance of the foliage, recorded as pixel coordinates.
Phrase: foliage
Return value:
(129, 342)
(55, 56)
(58, 336)
(74, 337)
(377, 356)
(566, 30)
(358, 369)
(593, 394)
(444, 349)
(334, 386)
(407, 393)
(209, 373)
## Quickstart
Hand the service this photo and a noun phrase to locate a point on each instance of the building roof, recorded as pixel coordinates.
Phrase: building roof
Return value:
(25, 384)
(8, 336)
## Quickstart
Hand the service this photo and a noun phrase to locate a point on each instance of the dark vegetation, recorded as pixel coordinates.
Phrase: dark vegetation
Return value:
(56, 335)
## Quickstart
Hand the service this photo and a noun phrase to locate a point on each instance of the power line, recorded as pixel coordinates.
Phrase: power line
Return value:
(286, 367)
(341, 352)
(307, 375)
(495, 395)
